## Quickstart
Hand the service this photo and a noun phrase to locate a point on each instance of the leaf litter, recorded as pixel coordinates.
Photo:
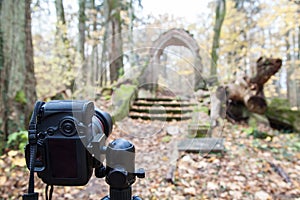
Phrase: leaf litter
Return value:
(250, 168)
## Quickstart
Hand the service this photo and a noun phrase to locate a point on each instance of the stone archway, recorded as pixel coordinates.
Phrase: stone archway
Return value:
(173, 37)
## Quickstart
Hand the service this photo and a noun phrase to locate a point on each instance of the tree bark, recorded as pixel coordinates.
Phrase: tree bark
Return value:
(30, 81)
(220, 16)
(250, 90)
(60, 12)
(101, 74)
(60, 20)
(245, 93)
(17, 81)
(94, 55)
(81, 28)
(116, 43)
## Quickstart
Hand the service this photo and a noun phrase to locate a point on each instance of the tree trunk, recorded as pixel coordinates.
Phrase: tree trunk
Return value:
(284, 119)
(101, 74)
(60, 13)
(94, 55)
(81, 28)
(250, 91)
(220, 16)
(62, 49)
(30, 81)
(17, 81)
(116, 43)
(245, 94)
(60, 20)
(291, 87)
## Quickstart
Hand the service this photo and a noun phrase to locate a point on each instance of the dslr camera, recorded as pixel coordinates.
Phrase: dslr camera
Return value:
(67, 142)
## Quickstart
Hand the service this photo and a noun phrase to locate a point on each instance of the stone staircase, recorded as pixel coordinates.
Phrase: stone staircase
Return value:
(164, 109)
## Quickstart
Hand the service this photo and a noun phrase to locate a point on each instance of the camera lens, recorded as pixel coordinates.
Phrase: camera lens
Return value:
(67, 127)
(106, 121)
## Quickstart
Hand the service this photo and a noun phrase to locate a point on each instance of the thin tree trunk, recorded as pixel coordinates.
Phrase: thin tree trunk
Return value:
(4, 109)
(81, 28)
(220, 16)
(94, 55)
(299, 42)
(81, 40)
(60, 20)
(101, 69)
(116, 46)
(291, 86)
(132, 60)
(62, 47)
(113, 65)
(60, 12)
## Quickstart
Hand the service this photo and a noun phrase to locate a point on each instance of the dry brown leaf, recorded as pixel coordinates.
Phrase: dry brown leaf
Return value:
(19, 161)
(13, 153)
(189, 191)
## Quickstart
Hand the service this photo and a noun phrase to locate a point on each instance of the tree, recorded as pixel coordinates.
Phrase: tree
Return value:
(220, 16)
(81, 28)
(94, 37)
(17, 80)
(116, 42)
(60, 12)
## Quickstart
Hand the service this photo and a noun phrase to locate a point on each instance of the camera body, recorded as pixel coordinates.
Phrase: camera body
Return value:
(68, 134)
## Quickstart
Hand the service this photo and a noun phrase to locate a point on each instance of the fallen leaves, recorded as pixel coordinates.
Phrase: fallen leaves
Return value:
(242, 172)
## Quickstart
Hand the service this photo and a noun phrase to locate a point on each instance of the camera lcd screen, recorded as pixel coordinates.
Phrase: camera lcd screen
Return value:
(63, 159)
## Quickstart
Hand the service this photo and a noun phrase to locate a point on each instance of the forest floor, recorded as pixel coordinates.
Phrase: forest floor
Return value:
(249, 168)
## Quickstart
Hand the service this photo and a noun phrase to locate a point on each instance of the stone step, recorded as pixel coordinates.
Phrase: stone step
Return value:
(198, 130)
(159, 109)
(166, 99)
(161, 117)
(202, 145)
(163, 103)
(163, 108)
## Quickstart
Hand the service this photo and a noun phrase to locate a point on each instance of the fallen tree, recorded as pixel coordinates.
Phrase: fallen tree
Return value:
(250, 90)
(245, 94)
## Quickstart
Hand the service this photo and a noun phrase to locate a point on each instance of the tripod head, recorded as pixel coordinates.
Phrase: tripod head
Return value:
(120, 171)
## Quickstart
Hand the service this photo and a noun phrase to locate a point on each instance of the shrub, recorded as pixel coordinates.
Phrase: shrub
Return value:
(17, 140)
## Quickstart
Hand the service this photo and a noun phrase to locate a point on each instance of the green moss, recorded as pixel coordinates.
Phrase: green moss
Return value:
(285, 116)
(256, 119)
(122, 98)
(198, 130)
(201, 109)
(279, 103)
(166, 139)
(21, 97)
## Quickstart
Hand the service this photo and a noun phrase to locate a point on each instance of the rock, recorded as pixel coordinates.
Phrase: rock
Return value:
(142, 93)
(173, 130)
(202, 94)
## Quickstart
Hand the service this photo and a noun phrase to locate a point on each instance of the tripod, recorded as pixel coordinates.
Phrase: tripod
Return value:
(120, 172)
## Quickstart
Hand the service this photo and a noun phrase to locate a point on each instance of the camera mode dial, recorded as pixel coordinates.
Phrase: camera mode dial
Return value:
(67, 127)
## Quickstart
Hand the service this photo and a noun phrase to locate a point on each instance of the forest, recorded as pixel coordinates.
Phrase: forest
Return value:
(233, 67)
